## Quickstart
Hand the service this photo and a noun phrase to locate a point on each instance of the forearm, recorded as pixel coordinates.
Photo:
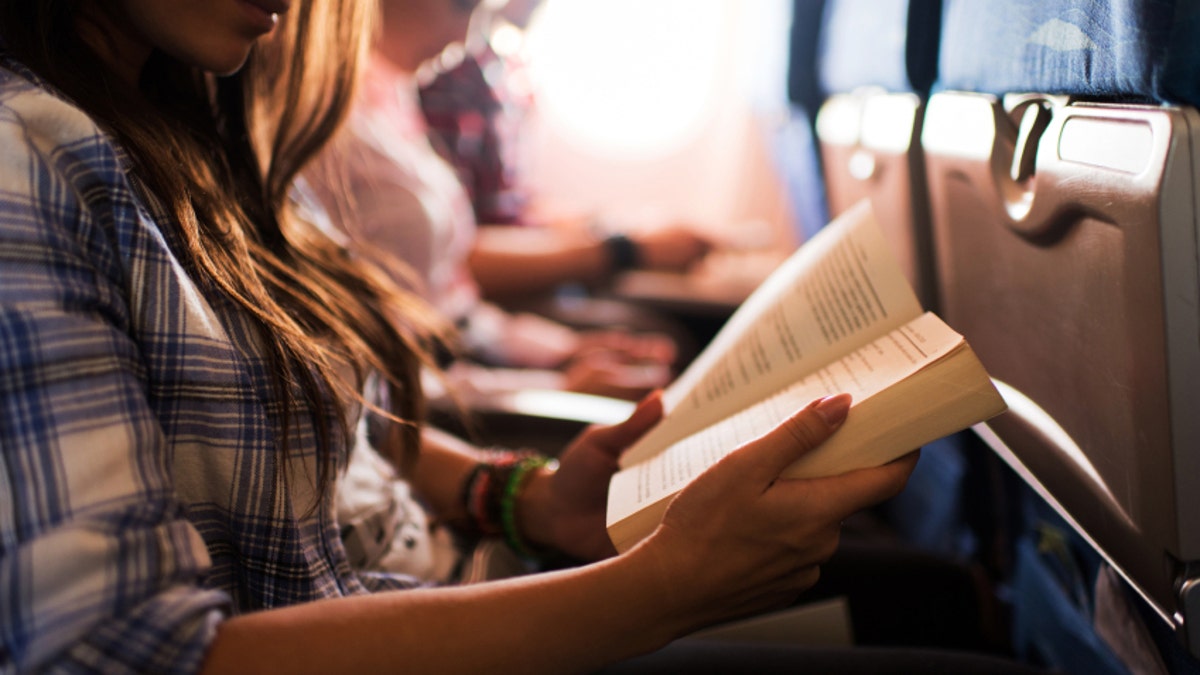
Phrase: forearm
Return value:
(441, 469)
(544, 258)
(569, 621)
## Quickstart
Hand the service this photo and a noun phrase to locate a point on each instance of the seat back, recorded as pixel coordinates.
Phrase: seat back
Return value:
(877, 61)
(1063, 160)
(794, 143)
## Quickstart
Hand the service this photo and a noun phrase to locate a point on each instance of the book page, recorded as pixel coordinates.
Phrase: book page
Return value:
(836, 293)
(862, 373)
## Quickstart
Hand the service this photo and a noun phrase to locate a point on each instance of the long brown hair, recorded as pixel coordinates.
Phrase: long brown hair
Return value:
(222, 155)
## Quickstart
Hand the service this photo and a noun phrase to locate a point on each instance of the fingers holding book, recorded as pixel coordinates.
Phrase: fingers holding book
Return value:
(742, 540)
(801, 433)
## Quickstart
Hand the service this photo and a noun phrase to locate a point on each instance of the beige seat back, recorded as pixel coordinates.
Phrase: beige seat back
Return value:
(1066, 240)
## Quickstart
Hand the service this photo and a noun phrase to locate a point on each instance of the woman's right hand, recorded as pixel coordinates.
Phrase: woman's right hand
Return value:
(741, 540)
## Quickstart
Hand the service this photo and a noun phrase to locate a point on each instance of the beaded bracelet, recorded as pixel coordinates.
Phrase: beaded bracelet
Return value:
(508, 502)
(483, 488)
(474, 498)
(492, 487)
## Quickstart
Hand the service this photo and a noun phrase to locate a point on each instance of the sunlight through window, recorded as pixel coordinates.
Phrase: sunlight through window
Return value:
(626, 77)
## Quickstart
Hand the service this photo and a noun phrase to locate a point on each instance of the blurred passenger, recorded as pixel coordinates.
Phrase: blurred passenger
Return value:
(392, 193)
(476, 101)
(475, 107)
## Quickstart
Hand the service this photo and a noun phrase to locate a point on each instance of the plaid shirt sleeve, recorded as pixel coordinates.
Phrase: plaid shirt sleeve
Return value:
(99, 570)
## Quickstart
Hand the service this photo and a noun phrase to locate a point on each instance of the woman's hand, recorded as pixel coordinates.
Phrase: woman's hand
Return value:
(602, 374)
(627, 346)
(673, 248)
(620, 364)
(565, 509)
(741, 540)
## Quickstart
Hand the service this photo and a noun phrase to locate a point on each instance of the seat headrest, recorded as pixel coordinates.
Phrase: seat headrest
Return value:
(803, 88)
(1142, 50)
(891, 44)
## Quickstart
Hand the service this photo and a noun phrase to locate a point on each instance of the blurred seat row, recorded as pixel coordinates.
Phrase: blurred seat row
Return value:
(1035, 165)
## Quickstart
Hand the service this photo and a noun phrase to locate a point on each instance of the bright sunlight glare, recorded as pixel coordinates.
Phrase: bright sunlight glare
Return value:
(626, 77)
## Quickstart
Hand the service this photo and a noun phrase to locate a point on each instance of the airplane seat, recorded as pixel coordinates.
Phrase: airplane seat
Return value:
(794, 143)
(1062, 150)
(878, 60)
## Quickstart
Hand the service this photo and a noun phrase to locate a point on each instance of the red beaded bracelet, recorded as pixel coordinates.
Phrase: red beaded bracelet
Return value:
(485, 487)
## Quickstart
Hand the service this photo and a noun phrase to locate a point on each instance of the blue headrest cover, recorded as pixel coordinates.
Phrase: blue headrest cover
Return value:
(891, 44)
(1143, 50)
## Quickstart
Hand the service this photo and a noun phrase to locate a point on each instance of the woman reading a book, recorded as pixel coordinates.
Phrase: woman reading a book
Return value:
(182, 368)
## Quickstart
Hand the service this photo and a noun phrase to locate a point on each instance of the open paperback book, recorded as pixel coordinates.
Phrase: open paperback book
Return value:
(837, 316)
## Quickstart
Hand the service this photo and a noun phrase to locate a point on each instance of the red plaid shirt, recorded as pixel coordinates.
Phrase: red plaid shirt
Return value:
(474, 118)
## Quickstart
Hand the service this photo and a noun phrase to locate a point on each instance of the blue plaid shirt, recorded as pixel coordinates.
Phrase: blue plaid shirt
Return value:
(139, 495)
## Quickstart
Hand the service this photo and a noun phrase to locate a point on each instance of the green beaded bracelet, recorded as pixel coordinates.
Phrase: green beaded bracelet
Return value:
(508, 502)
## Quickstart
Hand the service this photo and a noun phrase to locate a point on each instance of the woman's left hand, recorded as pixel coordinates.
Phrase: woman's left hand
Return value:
(564, 509)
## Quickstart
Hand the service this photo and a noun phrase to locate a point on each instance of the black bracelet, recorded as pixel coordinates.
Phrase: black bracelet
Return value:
(623, 252)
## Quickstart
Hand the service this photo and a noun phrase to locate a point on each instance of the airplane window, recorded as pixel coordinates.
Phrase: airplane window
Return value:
(627, 77)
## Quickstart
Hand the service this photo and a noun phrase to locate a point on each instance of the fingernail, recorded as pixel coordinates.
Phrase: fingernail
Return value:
(833, 409)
